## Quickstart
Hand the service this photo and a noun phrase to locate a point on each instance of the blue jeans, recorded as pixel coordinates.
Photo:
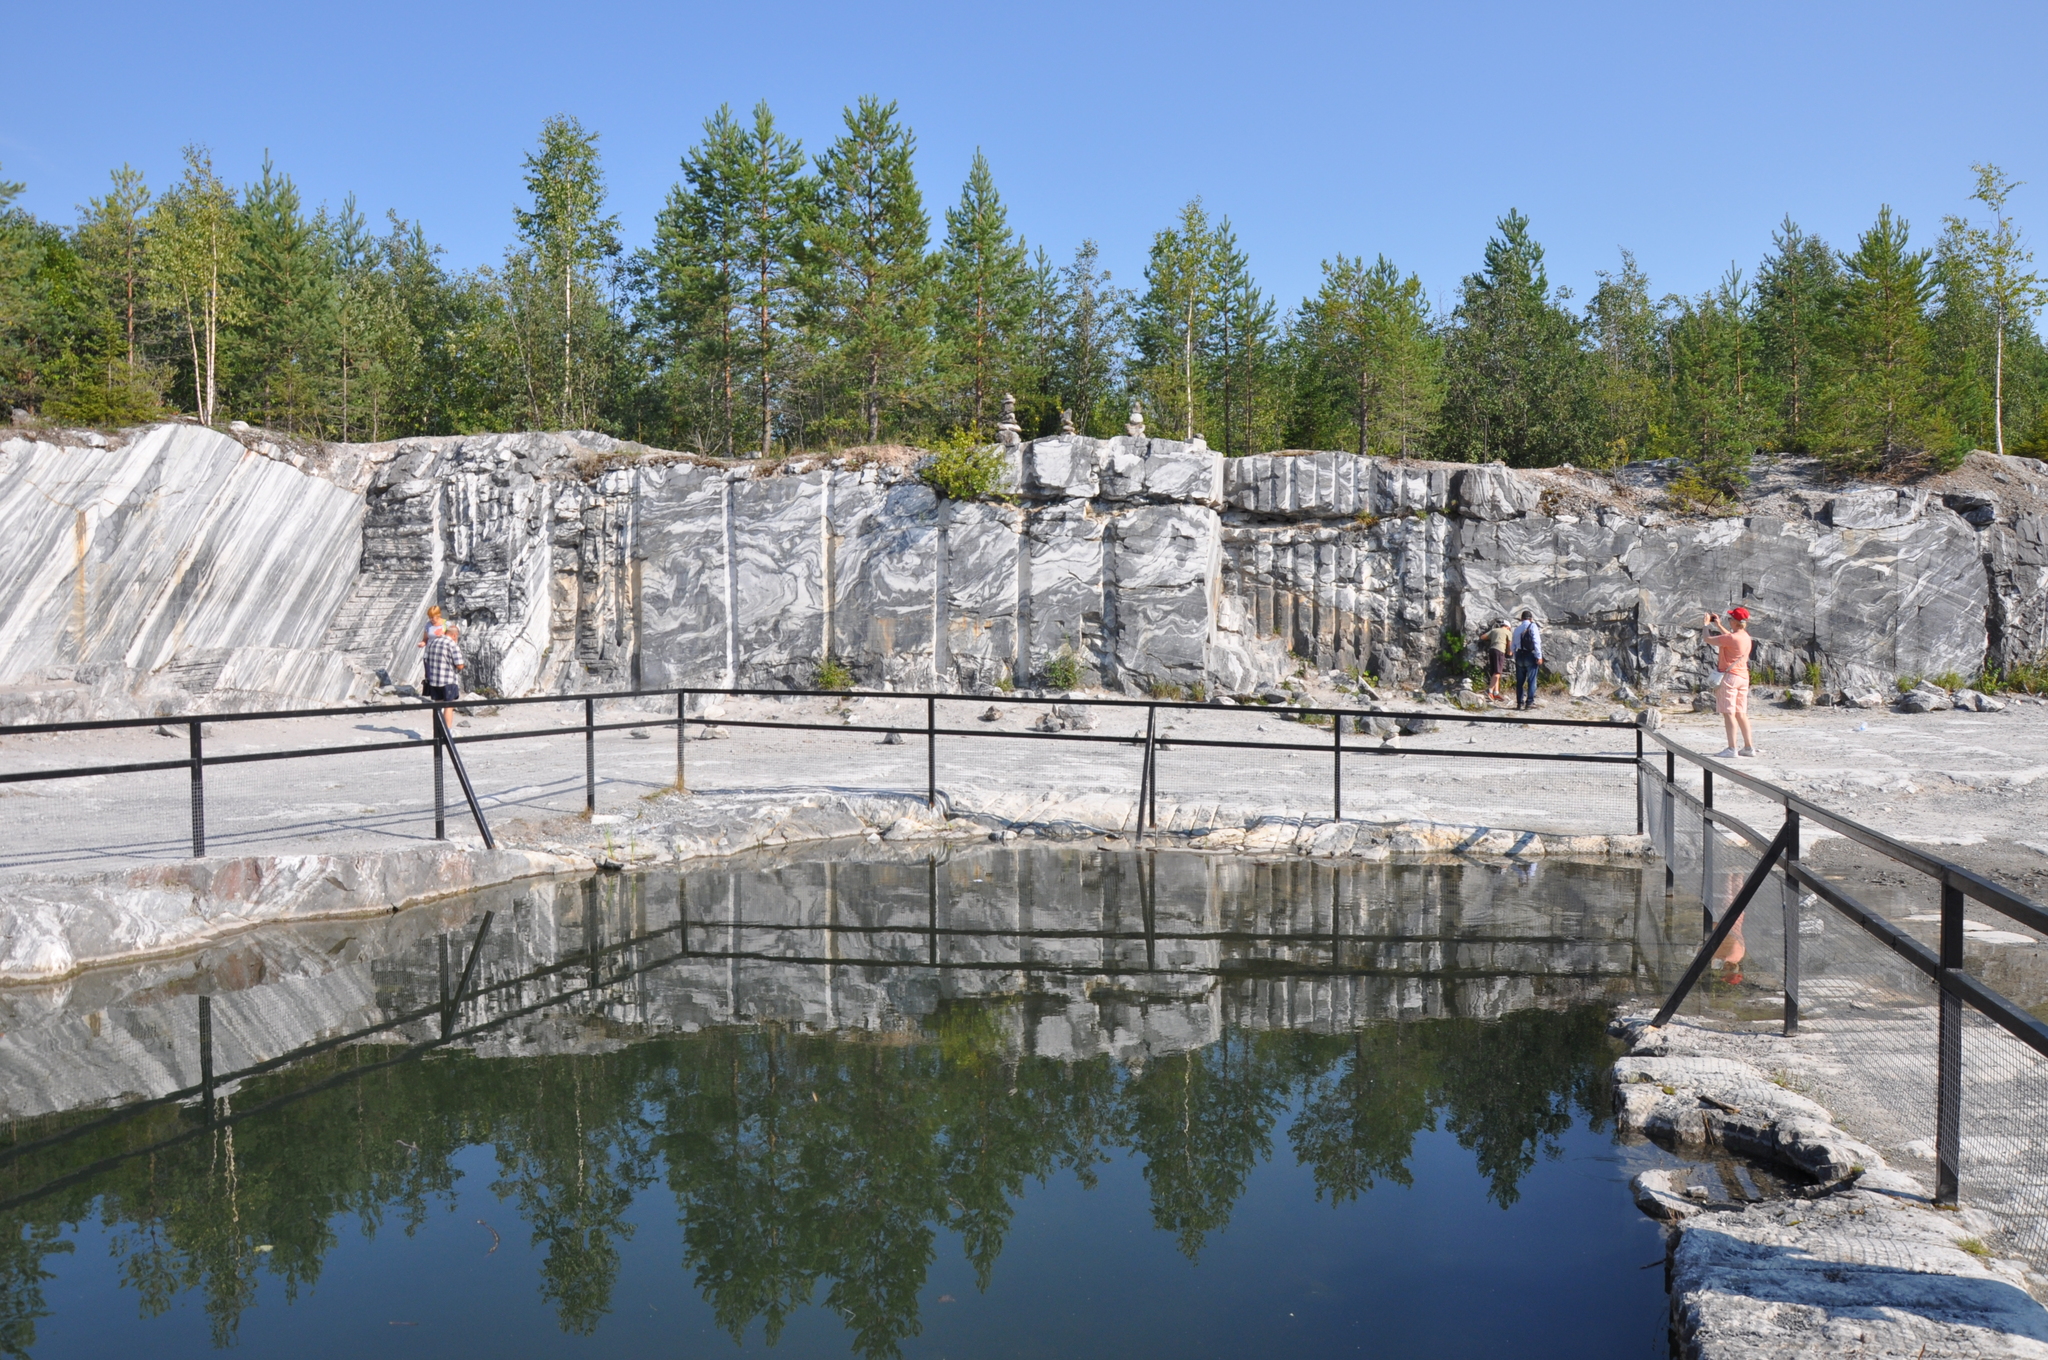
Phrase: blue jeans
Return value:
(1527, 668)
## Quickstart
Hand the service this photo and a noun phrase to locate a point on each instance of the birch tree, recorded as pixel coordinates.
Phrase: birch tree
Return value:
(2014, 291)
(194, 231)
(566, 227)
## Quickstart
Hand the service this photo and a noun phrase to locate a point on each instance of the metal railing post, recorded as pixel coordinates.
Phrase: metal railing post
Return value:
(1707, 849)
(440, 813)
(1336, 767)
(931, 751)
(682, 705)
(590, 755)
(198, 794)
(1641, 788)
(1948, 1098)
(1791, 927)
(1670, 820)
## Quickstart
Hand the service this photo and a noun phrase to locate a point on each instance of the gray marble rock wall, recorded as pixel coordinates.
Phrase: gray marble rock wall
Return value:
(189, 570)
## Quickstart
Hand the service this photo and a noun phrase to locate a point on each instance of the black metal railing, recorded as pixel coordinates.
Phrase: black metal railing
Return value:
(1942, 965)
(446, 743)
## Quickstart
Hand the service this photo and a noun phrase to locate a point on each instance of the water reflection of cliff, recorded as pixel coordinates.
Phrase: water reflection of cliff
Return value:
(1122, 954)
(779, 1051)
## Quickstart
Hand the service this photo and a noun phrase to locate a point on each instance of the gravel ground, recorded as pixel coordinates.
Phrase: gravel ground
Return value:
(1969, 785)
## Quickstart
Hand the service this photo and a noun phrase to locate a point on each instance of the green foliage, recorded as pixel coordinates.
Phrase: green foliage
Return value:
(1177, 317)
(1718, 420)
(985, 296)
(1454, 658)
(1907, 683)
(868, 298)
(784, 305)
(1519, 384)
(961, 468)
(833, 674)
(1813, 675)
(1883, 415)
(1371, 376)
(1949, 681)
(1063, 669)
(2026, 677)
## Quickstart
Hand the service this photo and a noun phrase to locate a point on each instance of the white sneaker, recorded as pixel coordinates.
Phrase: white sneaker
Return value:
(1727, 753)
(1751, 751)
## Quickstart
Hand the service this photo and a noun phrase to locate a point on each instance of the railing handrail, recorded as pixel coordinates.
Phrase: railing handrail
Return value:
(1947, 872)
(732, 692)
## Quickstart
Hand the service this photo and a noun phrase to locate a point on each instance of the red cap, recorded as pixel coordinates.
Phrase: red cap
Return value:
(1738, 612)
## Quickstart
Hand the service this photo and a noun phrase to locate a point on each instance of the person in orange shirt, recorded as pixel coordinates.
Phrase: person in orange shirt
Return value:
(1731, 689)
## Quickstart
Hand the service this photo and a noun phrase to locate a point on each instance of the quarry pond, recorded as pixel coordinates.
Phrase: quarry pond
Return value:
(1057, 1100)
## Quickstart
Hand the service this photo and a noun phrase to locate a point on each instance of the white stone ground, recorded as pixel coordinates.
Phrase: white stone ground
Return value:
(1968, 783)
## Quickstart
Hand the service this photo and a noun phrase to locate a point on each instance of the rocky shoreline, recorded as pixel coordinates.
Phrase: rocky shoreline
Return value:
(1856, 1260)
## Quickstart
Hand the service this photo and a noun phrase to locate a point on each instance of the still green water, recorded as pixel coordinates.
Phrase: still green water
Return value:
(1050, 1102)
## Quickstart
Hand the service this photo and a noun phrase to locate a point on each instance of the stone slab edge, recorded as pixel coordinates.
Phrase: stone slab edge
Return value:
(54, 926)
(1861, 1264)
(676, 828)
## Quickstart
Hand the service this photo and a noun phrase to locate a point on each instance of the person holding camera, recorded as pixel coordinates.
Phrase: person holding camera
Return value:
(1734, 646)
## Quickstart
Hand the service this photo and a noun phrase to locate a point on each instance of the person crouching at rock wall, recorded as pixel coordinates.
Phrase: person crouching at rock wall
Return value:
(1731, 681)
(445, 663)
(1528, 660)
(1498, 645)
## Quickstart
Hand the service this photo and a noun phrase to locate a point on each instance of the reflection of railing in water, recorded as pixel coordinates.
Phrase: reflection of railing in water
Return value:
(472, 1003)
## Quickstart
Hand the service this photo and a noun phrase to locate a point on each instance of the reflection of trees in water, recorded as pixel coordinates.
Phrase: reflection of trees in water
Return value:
(795, 1159)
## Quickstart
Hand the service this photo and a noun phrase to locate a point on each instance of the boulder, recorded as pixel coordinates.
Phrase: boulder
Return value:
(1876, 508)
(1984, 703)
(1418, 726)
(1492, 493)
(1867, 699)
(1799, 696)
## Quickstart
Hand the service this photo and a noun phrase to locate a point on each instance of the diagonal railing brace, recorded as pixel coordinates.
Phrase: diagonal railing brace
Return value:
(1757, 877)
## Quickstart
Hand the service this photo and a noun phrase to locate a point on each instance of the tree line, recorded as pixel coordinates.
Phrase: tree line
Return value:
(790, 300)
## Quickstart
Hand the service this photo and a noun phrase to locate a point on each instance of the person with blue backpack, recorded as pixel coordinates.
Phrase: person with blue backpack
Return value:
(1528, 659)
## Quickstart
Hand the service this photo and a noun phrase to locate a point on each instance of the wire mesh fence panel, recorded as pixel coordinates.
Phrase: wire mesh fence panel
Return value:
(1869, 1037)
(2004, 1153)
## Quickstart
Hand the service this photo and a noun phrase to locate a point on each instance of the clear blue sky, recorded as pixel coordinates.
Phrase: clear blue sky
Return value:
(1684, 132)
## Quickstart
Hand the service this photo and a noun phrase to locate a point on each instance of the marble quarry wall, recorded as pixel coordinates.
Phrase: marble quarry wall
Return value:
(186, 569)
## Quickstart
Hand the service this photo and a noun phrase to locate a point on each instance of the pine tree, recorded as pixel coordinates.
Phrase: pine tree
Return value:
(870, 240)
(1241, 350)
(192, 240)
(692, 290)
(565, 227)
(1963, 341)
(984, 296)
(1176, 316)
(1373, 372)
(1797, 310)
(1092, 321)
(112, 386)
(282, 274)
(1882, 414)
(1518, 384)
(1720, 416)
(363, 311)
(1629, 349)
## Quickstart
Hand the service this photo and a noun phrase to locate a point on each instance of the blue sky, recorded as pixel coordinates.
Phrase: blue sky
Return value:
(1684, 132)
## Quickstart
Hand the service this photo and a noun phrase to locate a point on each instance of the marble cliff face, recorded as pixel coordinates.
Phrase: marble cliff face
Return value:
(185, 569)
